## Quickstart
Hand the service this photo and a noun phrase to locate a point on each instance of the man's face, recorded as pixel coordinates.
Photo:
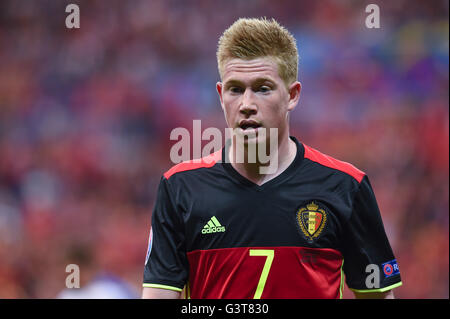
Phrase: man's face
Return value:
(254, 96)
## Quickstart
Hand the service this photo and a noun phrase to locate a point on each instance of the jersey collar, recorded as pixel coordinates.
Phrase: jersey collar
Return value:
(275, 181)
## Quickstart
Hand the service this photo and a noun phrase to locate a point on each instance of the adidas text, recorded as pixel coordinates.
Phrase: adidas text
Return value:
(213, 230)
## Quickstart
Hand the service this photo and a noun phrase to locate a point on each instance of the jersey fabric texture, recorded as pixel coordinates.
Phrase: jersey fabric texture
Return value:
(299, 235)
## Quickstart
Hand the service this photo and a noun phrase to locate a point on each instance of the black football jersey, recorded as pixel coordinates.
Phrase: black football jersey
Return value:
(299, 235)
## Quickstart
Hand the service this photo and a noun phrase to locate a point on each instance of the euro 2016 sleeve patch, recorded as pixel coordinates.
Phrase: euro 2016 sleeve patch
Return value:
(312, 220)
(390, 268)
(149, 247)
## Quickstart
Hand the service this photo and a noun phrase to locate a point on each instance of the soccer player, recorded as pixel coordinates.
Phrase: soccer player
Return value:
(222, 229)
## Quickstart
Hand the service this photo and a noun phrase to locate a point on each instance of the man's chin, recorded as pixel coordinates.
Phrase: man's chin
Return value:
(249, 135)
(252, 135)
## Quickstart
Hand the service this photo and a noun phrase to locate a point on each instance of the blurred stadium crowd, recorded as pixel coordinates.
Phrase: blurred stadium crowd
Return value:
(85, 118)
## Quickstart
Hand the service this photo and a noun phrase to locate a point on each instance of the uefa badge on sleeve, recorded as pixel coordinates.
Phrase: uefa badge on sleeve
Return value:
(390, 268)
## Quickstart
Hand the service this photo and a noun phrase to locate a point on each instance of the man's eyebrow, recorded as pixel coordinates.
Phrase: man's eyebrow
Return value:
(233, 82)
(256, 81)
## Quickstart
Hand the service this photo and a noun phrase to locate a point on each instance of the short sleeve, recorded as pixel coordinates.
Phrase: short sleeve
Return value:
(366, 248)
(166, 264)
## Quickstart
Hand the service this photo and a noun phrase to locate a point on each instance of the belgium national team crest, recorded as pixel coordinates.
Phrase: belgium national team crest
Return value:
(312, 220)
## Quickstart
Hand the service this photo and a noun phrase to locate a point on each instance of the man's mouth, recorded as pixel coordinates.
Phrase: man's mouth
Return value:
(249, 125)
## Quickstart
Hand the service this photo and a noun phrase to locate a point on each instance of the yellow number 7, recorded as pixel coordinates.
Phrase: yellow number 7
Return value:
(269, 253)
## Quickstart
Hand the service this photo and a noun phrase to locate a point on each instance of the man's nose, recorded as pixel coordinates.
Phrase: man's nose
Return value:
(248, 106)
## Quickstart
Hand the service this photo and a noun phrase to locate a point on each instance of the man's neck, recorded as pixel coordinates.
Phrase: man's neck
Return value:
(286, 152)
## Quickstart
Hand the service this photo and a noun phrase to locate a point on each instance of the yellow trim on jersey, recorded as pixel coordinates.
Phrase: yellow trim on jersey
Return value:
(380, 289)
(161, 287)
(188, 291)
(341, 286)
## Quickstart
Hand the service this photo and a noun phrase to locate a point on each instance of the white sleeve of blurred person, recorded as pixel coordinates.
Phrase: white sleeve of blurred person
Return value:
(101, 287)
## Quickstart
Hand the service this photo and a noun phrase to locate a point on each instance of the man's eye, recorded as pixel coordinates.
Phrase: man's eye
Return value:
(235, 89)
(264, 88)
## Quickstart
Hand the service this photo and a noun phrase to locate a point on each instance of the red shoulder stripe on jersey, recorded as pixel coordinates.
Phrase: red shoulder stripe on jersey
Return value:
(325, 160)
(207, 161)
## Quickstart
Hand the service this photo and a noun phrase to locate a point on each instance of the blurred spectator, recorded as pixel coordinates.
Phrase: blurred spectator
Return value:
(93, 285)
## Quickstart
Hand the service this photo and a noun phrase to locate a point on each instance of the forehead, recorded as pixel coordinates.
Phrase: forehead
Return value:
(239, 69)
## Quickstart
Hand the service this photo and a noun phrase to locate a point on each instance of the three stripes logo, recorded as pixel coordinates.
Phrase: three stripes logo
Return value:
(213, 226)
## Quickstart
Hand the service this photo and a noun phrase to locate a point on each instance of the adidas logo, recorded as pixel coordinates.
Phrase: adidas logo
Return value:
(213, 226)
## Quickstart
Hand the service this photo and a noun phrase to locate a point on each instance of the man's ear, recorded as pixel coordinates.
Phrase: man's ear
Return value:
(294, 95)
(219, 88)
